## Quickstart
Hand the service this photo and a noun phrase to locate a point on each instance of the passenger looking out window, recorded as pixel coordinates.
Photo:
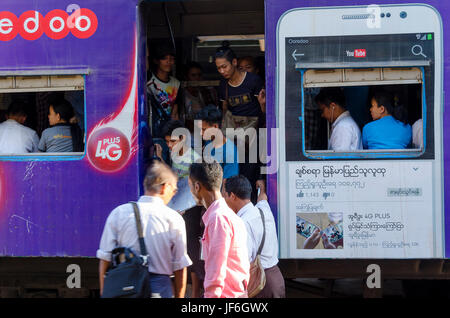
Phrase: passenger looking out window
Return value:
(345, 133)
(15, 137)
(389, 129)
(62, 136)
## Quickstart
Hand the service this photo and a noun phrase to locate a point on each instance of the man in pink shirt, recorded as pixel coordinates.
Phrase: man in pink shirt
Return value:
(224, 243)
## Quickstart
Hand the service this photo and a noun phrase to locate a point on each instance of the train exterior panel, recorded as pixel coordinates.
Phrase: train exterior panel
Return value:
(284, 89)
(56, 205)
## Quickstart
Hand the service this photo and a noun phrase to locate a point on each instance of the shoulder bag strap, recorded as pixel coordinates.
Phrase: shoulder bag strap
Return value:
(139, 228)
(264, 233)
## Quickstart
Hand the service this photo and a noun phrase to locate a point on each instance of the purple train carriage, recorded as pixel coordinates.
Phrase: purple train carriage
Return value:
(390, 205)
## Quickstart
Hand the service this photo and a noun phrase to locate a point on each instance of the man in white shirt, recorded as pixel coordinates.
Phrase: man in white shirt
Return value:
(417, 134)
(237, 193)
(15, 138)
(164, 234)
(345, 133)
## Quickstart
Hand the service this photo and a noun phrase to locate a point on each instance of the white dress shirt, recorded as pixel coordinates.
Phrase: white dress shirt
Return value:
(164, 235)
(345, 134)
(16, 138)
(417, 134)
(252, 219)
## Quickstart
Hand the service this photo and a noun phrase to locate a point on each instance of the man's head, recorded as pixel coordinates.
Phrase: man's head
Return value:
(17, 111)
(247, 64)
(160, 181)
(167, 131)
(226, 62)
(164, 58)
(237, 192)
(194, 72)
(204, 179)
(331, 101)
(210, 117)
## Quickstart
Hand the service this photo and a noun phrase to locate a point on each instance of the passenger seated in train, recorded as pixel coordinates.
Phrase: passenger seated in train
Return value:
(15, 137)
(345, 133)
(62, 136)
(389, 129)
(417, 134)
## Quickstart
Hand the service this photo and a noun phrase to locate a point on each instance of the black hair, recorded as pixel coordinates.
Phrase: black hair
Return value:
(17, 108)
(386, 99)
(208, 174)
(64, 109)
(210, 114)
(170, 126)
(191, 65)
(162, 51)
(225, 52)
(330, 95)
(240, 186)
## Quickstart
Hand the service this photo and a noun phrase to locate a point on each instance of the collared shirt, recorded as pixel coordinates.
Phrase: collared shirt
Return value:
(345, 134)
(417, 134)
(224, 245)
(253, 222)
(17, 139)
(164, 235)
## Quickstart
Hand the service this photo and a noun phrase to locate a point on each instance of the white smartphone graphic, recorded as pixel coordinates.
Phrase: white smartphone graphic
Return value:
(363, 48)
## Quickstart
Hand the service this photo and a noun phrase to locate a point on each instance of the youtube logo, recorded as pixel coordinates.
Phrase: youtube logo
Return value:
(358, 53)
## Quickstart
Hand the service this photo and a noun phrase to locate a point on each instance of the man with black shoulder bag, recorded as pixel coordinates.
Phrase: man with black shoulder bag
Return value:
(266, 280)
(152, 228)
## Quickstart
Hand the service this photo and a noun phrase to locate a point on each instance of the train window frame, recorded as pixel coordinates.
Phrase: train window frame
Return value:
(30, 81)
(364, 153)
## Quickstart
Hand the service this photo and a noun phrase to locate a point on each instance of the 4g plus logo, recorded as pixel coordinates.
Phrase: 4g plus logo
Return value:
(57, 24)
(108, 149)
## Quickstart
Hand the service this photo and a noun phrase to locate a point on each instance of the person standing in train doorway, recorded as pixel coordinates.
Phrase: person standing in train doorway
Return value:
(224, 243)
(163, 95)
(243, 101)
(164, 234)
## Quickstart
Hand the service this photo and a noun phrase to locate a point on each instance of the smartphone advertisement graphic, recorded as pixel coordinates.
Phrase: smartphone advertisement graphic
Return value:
(390, 199)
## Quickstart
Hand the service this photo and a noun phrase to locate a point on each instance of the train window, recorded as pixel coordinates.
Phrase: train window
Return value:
(399, 135)
(42, 117)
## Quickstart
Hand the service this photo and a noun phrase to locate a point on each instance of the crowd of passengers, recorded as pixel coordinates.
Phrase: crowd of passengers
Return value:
(238, 102)
(389, 128)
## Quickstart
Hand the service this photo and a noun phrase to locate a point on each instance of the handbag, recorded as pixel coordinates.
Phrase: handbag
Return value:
(128, 276)
(257, 274)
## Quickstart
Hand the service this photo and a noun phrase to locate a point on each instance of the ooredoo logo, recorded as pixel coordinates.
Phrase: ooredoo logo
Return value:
(57, 24)
(108, 149)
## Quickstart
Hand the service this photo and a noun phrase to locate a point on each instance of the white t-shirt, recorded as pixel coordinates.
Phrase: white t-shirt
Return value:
(253, 222)
(345, 134)
(165, 93)
(16, 138)
(164, 235)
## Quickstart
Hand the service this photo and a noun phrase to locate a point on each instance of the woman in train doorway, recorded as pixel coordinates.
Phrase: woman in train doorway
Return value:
(243, 101)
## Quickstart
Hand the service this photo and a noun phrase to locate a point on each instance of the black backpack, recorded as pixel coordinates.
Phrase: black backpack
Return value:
(128, 276)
